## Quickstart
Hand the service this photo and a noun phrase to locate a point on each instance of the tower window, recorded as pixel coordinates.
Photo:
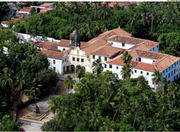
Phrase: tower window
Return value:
(105, 66)
(110, 66)
(93, 56)
(147, 73)
(135, 71)
(82, 60)
(73, 59)
(77, 59)
(54, 61)
(99, 57)
(117, 67)
(54, 68)
(140, 59)
(141, 72)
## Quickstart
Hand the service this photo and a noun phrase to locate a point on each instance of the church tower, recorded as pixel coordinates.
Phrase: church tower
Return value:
(75, 39)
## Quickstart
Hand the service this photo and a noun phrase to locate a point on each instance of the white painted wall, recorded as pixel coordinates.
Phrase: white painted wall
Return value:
(24, 12)
(4, 25)
(145, 60)
(28, 38)
(61, 48)
(119, 45)
(58, 65)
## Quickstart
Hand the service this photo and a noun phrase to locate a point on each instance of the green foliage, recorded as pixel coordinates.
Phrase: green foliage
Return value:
(80, 71)
(23, 71)
(104, 103)
(97, 66)
(4, 9)
(126, 70)
(8, 124)
(33, 11)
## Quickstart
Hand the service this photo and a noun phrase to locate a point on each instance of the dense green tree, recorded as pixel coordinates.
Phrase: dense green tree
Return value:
(8, 125)
(97, 66)
(126, 70)
(80, 71)
(4, 9)
(156, 79)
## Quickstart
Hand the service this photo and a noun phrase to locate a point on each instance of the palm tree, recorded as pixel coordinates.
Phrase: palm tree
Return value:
(69, 82)
(126, 70)
(6, 81)
(80, 71)
(156, 79)
(97, 66)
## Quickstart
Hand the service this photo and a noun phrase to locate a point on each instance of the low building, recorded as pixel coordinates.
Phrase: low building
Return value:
(43, 10)
(57, 60)
(25, 10)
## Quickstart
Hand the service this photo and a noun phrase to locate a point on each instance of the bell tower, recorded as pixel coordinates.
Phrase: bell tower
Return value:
(75, 39)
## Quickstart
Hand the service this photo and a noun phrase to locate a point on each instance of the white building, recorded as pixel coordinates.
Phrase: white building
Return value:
(57, 60)
(109, 47)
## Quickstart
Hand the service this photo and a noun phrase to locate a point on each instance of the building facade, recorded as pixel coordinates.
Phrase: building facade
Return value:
(109, 48)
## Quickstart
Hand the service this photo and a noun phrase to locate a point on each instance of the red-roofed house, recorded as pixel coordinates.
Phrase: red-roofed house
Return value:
(13, 20)
(25, 10)
(57, 60)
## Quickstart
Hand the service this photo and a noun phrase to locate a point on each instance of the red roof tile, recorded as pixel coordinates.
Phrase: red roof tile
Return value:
(26, 9)
(53, 54)
(43, 10)
(46, 4)
(107, 51)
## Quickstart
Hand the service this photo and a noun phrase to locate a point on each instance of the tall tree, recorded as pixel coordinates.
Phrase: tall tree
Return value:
(97, 66)
(156, 79)
(126, 70)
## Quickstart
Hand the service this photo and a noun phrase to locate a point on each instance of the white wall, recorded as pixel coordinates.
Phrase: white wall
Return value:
(119, 45)
(4, 25)
(28, 38)
(23, 12)
(61, 48)
(145, 60)
(58, 65)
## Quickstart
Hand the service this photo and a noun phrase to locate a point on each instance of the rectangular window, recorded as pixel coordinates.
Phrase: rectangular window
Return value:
(99, 57)
(141, 72)
(93, 56)
(135, 71)
(123, 44)
(77, 59)
(82, 60)
(73, 59)
(169, 68)
(110, 66)
(139, 59)
(147, 73)
(166, 70)
(117, 67)
(169, 75)
(105, 58)
(105, 66)
(54, 61)
(54, 68)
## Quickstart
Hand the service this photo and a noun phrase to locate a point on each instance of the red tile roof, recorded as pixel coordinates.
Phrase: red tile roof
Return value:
(64, 43)
(26, 9)
(46, 4)
(48, 45)
(4, 22)
(43, 10)
(162, 61)
(108, 51)
(53, 54)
